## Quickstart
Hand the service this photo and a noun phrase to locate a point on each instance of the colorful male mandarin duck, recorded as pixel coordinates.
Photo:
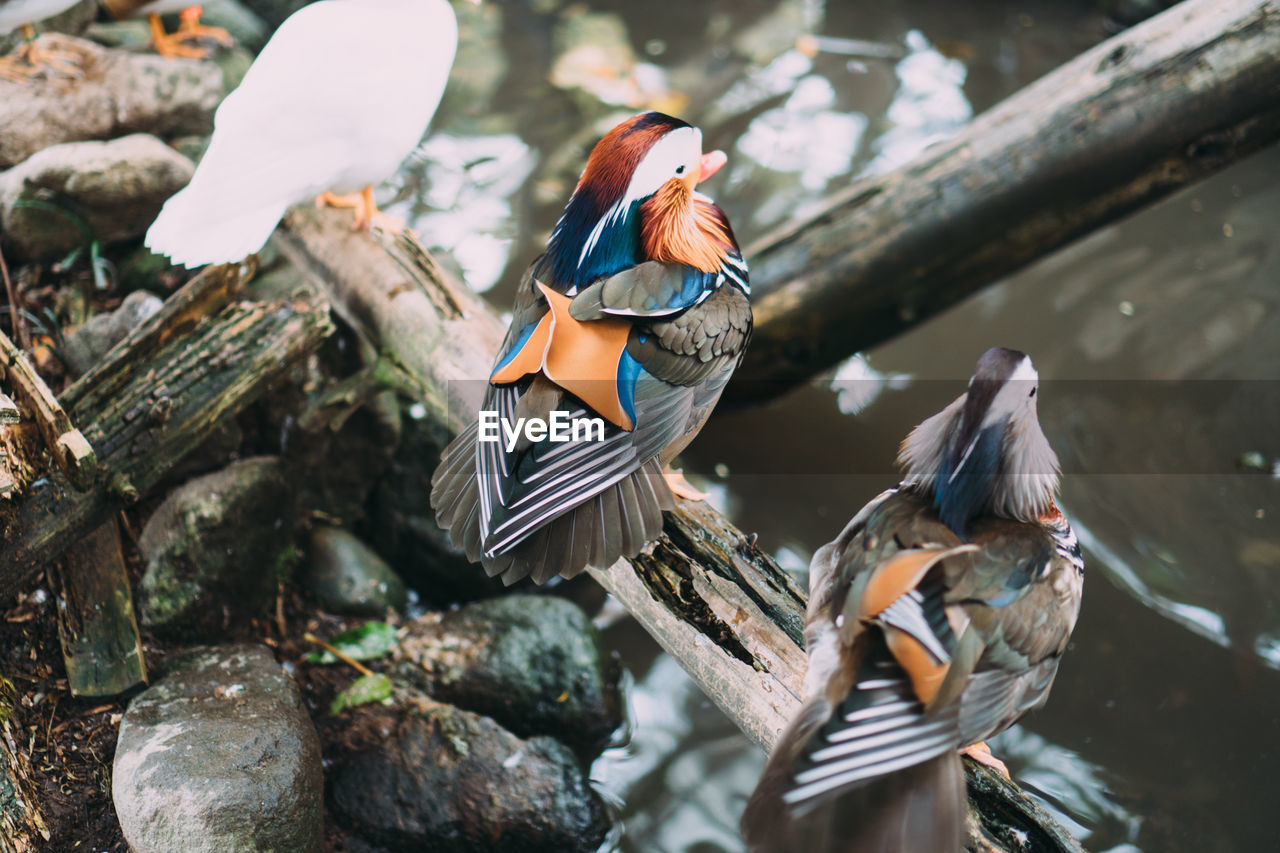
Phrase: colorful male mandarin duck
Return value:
(935, 620)
(636, 314)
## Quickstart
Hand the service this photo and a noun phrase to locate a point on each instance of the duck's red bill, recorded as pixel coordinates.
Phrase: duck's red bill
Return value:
(711, 163)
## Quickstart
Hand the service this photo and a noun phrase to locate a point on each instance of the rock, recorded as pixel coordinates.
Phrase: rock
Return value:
(533, 663)
(90, 342)
(447, 780)
(143, 269)
(120, 93)
(219, 756)
(215, 548)
(404, 525)
(107, 191)
(346, 576)
(244, 25)
(275, 11)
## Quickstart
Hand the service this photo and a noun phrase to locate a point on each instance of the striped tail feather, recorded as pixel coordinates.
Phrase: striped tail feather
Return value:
(875, 774)
(617, 522)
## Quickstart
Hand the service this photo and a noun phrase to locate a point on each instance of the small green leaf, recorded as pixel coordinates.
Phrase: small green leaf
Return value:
(370, 641)
(374, 687)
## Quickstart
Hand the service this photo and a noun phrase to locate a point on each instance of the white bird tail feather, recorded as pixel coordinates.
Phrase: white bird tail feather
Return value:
(192, 231)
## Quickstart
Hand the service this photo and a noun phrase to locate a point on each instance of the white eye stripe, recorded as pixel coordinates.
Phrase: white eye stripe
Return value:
(678, 148)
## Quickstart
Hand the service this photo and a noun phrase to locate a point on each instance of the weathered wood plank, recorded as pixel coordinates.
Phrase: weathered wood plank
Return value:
(1141, 115)
(202, 358)
(96, 623)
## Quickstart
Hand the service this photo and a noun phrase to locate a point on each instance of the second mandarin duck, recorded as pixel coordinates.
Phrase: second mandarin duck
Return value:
(637, 313)
(935, 620)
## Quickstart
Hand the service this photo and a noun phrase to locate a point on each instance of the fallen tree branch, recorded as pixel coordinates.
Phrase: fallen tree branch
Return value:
(721, 607)
(158, 394)
(73, 455)
(1141, 115)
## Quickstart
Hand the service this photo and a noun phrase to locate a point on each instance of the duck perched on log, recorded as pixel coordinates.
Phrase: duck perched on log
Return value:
(935, 620)
(635, 317)
(336, 100)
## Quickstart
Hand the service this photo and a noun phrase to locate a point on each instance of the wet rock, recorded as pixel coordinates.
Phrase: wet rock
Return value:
(273, 12)
(215, 549)
(219, 756)
(449, 780)
(107, 191)
(90, 342)
(346, 576)
(244, 25)
(120, 93)
(533, 663)
(404, 525)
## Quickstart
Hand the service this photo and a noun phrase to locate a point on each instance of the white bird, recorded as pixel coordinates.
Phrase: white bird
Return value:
(337, 99)
(29, 59)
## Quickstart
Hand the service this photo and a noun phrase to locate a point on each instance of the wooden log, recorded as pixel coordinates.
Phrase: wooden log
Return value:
(96, 623)
(721, 607)
(1141, 115)
(157, 395)
(70, 451)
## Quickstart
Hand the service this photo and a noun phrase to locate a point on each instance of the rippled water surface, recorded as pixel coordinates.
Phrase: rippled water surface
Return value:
(1157, 342)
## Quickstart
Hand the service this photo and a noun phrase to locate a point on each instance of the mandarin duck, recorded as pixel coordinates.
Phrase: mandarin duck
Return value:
(171, 44)
(935, 620)
(635, 316)
(30, 59)
(335, 101)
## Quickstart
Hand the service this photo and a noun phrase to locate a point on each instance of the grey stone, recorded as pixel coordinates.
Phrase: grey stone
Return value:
(533, 663)
(114, 189)
(244, 25)
(119, 93)
(219, 756)
(215, 549)
(86, 346)
(346, 576)
(449, 780)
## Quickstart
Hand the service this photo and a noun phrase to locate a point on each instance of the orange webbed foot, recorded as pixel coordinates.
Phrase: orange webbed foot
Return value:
(367, 214)
(682, 487)
(173, 45)
(981, 753)
(32, 59)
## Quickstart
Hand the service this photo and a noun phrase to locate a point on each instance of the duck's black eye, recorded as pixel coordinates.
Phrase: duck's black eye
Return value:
(680, 170)
(1033, 392)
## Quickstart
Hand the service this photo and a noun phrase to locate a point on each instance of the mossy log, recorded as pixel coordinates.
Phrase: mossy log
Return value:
(1141, 115)
(720, 606)
(97, 627)
(208, 353)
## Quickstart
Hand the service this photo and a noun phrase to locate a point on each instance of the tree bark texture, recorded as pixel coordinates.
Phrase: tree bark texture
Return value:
(158, 394)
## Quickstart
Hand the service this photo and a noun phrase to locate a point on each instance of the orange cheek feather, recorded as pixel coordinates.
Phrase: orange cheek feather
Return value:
(677, 230)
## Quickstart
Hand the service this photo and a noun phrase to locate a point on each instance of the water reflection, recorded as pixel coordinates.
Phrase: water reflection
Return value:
(930, 105)
(1161, 733)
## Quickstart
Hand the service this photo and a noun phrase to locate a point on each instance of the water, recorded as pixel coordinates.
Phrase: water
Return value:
(1155, 340)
